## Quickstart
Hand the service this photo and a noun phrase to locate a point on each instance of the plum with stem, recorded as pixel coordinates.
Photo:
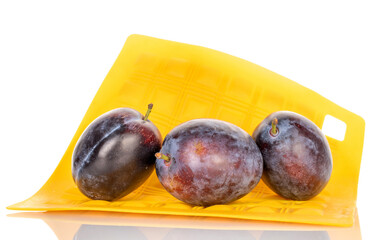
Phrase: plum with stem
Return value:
(115, 154)
(297, 161)
(207, 161)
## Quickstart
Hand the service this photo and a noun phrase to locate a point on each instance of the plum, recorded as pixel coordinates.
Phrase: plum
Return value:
(297, 161)
(207, 161)
(115, 154)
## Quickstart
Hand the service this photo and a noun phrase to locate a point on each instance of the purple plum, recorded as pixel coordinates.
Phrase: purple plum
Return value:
(206, 161)
(115, 154)
(297, 161)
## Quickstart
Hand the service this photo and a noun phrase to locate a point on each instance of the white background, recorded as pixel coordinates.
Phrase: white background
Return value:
(55, 54)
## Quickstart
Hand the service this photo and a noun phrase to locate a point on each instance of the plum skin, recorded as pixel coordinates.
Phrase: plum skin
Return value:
(297, 162)
(115, 154)
(211, 162)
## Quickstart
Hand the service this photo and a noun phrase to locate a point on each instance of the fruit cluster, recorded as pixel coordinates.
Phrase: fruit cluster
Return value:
(203, 161)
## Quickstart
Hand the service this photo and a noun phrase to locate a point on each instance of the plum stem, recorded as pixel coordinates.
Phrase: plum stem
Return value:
(274, 129)
(150, 107)
(162, 156)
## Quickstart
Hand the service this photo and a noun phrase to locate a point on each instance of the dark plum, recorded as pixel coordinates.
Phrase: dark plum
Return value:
(115, 154)
(206, 161)
(297, 161)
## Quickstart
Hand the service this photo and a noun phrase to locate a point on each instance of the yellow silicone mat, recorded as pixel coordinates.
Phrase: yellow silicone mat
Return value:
(186, 82)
